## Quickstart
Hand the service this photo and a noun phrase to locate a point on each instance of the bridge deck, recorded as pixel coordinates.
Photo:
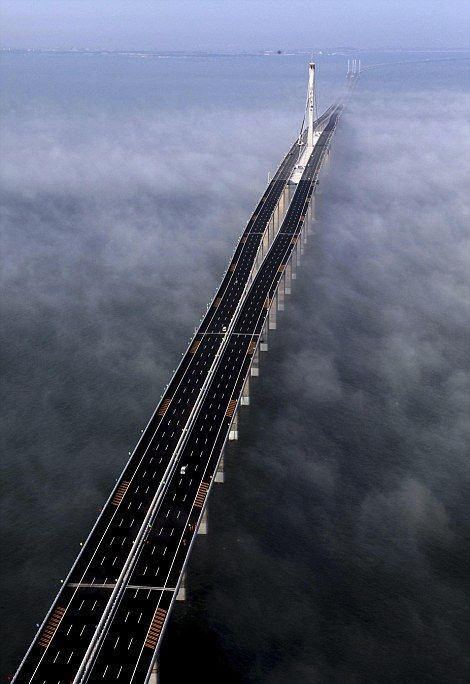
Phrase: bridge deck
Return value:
(137, 549)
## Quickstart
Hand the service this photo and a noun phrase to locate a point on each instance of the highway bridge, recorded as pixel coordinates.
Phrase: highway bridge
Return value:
(108, 619)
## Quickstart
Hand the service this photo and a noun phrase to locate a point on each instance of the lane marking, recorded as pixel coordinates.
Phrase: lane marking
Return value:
(251, 347)
(195, 346)
(121, 490)
(232, 405)
(155, 628)
(201, 495)
(51, 627)
(164, 407)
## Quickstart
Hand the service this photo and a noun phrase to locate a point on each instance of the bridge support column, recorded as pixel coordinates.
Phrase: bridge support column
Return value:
(181, 595)
(266, 242)
(245, 398)
(233, 434)
(204, 524)
(277, 221)
(311, 214)
(281, 206)
(288, 278)
(300, 245)
(293, 263)
(272, 315)
(263, 344)
(258, 260)
(155, 674)
(280, 294)
(254, 370)
(220, 474)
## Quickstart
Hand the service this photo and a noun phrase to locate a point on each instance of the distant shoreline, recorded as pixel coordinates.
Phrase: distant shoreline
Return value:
(319, 52)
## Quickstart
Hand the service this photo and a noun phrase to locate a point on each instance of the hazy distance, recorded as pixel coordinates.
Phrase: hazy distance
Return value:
(234, 24)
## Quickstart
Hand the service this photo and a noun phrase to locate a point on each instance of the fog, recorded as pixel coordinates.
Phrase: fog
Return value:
(338, 547)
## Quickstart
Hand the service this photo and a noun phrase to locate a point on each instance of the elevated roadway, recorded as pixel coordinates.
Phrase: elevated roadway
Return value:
(107, 620)
(93, 585)
(128, 647)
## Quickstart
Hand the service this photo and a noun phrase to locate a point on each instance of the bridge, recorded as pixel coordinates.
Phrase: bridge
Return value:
(108, 619)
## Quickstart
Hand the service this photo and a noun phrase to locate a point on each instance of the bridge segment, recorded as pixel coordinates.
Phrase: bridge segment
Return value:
(103, 580)
(140, 619)
(87, 590)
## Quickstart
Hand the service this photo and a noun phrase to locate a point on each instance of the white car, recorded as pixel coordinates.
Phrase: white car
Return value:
(183, 469)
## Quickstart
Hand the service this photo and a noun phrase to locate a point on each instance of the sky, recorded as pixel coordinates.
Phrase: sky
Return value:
(234, 24)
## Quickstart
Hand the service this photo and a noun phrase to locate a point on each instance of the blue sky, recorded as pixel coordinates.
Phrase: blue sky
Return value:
(234, 24)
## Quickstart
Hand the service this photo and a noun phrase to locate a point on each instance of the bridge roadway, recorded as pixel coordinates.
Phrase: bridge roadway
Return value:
(128, 648)
(65, 635)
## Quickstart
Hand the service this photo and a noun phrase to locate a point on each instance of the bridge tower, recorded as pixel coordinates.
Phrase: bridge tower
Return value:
(311, 103)
(308, 142)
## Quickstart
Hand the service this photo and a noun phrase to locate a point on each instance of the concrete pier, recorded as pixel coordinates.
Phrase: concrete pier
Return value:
(220, 474)
(263, 345)
(204, 524)
(254, 370)
(181, 595)
(293, 264)
(311, 215)
(245, 397)
(280, 294)
(288, 279)
(272, 315)
(271, 228)
(233, 434)
(155, 674)
(265, 244)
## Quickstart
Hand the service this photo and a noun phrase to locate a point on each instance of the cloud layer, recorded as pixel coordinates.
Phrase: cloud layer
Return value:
(349, 488)
(337, 546)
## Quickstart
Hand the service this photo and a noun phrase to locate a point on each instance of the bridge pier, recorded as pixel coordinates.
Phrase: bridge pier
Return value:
(245, 397)
(280, 294)
(254, 370)
(311, 214)
(265, 244)
(271, 229)
(263, 344)
(293, 264)
(155, 674)
(204, 523)
(288, 278)
(233, 434)
(181, 595)
(272, 315)
(220, 474)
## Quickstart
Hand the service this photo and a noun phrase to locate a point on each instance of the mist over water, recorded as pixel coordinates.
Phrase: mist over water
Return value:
(338, 546)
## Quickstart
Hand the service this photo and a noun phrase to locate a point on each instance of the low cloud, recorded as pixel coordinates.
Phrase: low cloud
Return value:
(336, 550)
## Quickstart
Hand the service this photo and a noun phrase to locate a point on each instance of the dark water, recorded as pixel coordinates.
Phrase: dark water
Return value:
(338, 546)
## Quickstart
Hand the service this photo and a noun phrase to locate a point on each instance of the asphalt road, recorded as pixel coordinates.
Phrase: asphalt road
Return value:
(130, 642)
(63, 639)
